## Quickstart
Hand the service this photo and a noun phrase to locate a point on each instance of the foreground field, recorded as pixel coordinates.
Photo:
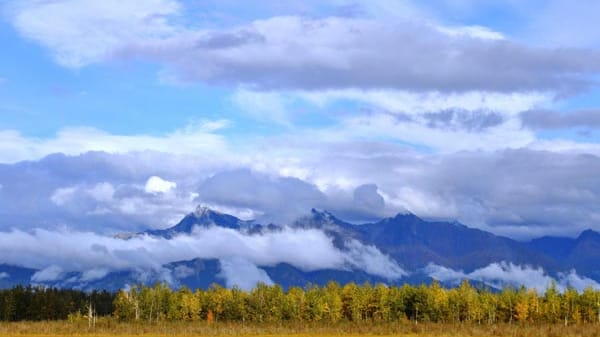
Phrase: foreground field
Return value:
(112, 328)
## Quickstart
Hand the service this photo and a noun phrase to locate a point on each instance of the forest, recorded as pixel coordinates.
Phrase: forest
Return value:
(46, 304)
(331, 303)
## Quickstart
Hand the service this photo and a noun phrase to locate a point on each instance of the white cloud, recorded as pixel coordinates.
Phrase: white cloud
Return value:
(51, 273)
(183, 271)
(499, 190)
(94, 274)
(80, 32)
(386, 126)
(156, 184)
(242, 273)
(325, 53)
(566, 146)
(196, 139)
(63, 195)
(155, 204)
(372, 261)
(102, 192)
(4, 275)
(500, 274)
(271, 106)
(478, 32)
(415, 103)
(95, 255)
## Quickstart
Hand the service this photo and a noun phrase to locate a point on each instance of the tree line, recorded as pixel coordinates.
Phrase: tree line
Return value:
(359, 303)
(331, 303)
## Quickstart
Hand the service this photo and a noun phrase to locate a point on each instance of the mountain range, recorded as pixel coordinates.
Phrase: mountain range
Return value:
(411, 246)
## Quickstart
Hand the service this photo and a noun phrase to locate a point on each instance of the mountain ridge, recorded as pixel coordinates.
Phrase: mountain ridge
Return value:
(414, 244)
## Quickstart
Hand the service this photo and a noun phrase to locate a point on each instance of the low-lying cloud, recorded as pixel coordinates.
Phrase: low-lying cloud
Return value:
(242, 273)
(94, 256)
(501, 274)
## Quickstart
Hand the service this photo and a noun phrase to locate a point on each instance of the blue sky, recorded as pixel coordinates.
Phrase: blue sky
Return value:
(128, 96)
(462, 109)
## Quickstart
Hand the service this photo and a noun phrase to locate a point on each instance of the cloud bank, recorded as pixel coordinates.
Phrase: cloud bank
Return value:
(241, 255)
(502, 274)
(520, 193)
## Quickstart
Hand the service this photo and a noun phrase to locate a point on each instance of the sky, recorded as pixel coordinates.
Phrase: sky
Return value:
(123, 115)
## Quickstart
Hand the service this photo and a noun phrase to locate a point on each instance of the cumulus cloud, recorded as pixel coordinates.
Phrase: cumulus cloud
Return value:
(156, 184)
(4, 275)
(501, 274)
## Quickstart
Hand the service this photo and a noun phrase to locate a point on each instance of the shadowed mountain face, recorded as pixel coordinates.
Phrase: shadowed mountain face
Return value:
(581, 253)
(415, 243)
(406, 240)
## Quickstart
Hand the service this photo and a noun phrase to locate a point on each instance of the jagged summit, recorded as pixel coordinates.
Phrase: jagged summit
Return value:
(204, 211)
(203, 217)
(324, 215)
(322, 219)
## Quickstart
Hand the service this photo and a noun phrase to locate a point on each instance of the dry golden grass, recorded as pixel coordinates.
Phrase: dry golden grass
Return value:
(111, 328)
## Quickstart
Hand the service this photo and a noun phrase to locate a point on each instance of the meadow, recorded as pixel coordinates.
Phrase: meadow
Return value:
(110, 327)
